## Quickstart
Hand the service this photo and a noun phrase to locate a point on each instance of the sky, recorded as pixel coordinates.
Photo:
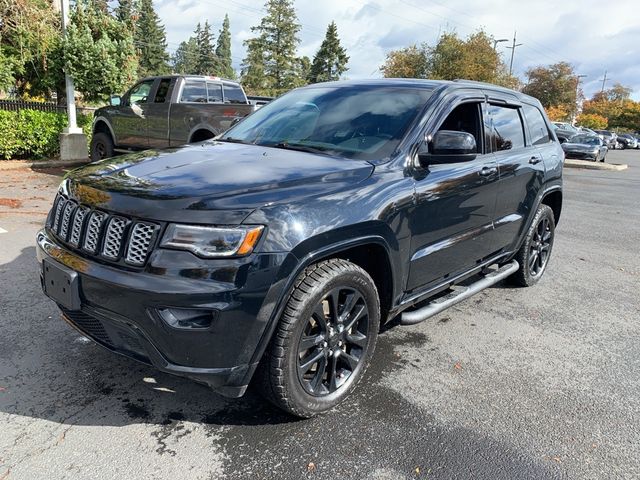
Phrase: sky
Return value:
(593, 36)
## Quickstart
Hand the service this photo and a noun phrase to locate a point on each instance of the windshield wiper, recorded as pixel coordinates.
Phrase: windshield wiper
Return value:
(233, 140)
(302, 148)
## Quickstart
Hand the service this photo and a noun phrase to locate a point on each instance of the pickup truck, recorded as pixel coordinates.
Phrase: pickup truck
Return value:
(275, 252)
(166, 111)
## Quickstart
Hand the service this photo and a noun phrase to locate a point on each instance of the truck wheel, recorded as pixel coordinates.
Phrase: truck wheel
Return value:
(534, 253)
(101, 146)
(324, 341)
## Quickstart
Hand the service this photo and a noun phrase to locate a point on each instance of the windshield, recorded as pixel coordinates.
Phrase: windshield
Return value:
(585, 139)
(360, 122)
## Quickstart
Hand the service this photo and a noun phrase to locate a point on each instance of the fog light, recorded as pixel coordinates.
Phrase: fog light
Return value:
(186, 318)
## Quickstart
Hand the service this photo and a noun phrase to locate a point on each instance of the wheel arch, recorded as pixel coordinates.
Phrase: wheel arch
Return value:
(553, 199)
(201, 133)
(102, 125)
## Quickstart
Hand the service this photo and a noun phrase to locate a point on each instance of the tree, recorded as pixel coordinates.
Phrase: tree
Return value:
(473, 58)
(29, 37)
(253, 71)
(331, 59)
(126, 13)
(223, 51)
(554, 85)
(409, 62)
(185, 59)
(558, 114)
(207, 60)
(98, 52)
(277, 39)
(616, 106)
(592, 120)
(151, 41)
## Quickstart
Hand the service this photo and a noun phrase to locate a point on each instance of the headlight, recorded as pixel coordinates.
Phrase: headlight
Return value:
(211, 242)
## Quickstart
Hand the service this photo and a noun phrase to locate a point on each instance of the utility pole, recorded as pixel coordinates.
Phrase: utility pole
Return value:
(604, 80)
(513, 49)
(575, 115)
(73, 143)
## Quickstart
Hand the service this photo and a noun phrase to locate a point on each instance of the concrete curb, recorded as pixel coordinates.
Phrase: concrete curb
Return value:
(595, 165)
(28, 164)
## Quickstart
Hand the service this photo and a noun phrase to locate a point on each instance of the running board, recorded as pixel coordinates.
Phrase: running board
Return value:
(458, 295)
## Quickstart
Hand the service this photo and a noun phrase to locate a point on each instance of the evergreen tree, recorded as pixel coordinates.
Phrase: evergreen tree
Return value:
(126, 12)
(277, 37)
(207, 60)
(151, 41)
(253, 76)
(223, 51)
(185, 60)
(331, 60)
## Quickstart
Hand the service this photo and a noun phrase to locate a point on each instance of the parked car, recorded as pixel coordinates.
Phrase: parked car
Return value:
(626, 140)
(166, 111)
(586, 147)
(277, 250)
(610, 139)
(564, 131)
(587, 130)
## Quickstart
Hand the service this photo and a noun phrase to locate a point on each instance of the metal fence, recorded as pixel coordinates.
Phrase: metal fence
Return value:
(17, 105)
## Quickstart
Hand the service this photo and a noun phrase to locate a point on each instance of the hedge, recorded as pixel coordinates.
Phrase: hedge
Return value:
(31, 134)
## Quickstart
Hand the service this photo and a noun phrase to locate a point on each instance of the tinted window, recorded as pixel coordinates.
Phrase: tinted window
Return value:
(363, 122)
(233, 94)
(585, 139)
(163, 89)
(140, 93)
(465, 118)
(507, 127)
(194, 91)
(537, 125)
(215, 92)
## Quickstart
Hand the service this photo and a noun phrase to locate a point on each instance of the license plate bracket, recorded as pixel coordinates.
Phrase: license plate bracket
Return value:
(61, 284)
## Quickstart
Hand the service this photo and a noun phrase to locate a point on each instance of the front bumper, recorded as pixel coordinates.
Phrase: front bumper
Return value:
(120, 310)
(581, 155)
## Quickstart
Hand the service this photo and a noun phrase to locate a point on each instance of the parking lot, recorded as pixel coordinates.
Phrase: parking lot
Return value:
(514, 383)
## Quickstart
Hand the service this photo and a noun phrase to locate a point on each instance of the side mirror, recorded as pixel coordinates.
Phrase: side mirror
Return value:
(114, 100)
(448, 146)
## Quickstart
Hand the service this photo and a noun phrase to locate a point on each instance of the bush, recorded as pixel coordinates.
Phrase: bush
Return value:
(31, 134)
(592, 120)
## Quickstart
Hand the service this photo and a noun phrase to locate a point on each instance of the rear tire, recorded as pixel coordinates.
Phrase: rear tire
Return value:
(324, 341)
(534, 253)
(101, 146)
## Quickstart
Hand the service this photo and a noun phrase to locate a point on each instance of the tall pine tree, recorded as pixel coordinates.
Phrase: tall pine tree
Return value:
(223, 51)
(277, 37)
(151, 41)
(331, 60)
(207, 60)
(126, 13)
(253, 77)
(185, 59)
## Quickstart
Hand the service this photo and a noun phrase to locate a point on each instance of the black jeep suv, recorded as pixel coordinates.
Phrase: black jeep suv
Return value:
(276, 250)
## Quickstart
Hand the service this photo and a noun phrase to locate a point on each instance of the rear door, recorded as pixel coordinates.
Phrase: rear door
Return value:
(520, 165)
(158, 113)
(129, 121)
(452, 222)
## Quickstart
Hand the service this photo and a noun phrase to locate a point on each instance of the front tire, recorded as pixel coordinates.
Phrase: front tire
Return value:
(324, 341)
(101, 146)
(534, 253)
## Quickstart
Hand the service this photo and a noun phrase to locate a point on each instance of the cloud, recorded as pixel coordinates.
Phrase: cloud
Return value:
(577, 32)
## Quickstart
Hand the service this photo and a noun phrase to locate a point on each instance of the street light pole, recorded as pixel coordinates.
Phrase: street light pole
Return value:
(496, 42)
(70, 89)
(513, 49)
(578, 77)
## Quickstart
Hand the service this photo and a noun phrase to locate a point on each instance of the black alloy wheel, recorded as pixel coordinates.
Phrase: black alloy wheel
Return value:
(540, 247)
(333, 342)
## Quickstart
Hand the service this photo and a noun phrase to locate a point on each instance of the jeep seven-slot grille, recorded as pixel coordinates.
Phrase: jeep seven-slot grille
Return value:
(112, 237)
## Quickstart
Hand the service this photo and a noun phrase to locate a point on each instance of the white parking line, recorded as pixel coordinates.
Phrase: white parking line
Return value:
(2, 230)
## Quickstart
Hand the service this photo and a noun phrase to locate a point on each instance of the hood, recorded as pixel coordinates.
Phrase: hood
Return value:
(579, 147)
(195, 180)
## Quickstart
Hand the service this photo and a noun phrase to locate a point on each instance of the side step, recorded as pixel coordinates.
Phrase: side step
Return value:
(458, 295)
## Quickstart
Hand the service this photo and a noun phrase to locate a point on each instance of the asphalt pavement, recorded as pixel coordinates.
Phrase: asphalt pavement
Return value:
(514, 383)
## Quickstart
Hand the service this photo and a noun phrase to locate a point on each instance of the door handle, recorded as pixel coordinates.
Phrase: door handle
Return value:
(535, 159)
(488, 171)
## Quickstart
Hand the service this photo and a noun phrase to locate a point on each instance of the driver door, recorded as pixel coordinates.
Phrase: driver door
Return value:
(452, 223)
(129, 121)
